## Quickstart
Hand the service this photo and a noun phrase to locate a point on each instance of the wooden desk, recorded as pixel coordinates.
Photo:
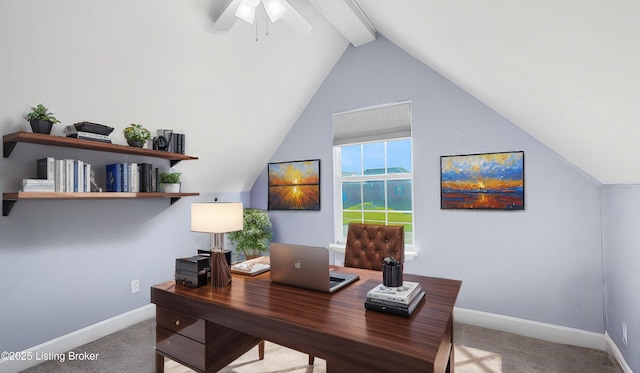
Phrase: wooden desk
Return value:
(216, 326)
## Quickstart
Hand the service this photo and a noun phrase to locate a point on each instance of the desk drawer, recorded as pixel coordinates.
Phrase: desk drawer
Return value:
(181, 323)
(180, 348)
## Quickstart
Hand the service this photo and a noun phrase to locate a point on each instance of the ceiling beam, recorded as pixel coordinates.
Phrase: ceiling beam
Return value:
(225, 14)
(349, 19)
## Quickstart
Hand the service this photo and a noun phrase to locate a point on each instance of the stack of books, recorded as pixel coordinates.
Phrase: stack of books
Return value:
(132, 177)
(401, 300)
(89, 131)
(65, 175)
(38, 185)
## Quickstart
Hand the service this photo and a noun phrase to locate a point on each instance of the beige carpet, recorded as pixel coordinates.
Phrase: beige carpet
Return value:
(477, 350)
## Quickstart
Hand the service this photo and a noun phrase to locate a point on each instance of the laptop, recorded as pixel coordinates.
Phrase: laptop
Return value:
(306, 267)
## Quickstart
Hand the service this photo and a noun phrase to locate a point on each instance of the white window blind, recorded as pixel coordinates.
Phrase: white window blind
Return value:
(374, 123)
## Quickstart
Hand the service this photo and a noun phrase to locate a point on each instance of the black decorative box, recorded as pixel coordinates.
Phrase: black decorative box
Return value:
(192, 272)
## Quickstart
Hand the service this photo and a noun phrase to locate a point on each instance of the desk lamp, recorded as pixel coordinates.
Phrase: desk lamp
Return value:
(217, 218)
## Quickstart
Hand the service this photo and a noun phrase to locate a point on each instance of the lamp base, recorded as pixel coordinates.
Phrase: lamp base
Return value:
(220, 271)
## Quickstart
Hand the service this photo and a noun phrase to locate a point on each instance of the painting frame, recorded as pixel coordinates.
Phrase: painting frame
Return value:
(294, 185)
(483, 181)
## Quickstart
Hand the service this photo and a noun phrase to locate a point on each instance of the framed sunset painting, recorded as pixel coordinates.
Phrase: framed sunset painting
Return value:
(294, 185)
(490, 181)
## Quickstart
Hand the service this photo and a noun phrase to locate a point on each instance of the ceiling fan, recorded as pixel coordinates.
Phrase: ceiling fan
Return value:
(275, 9)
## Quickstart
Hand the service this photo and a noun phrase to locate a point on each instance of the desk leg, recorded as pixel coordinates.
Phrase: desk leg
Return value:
(261, 350)
(451, 366)
(159, 363)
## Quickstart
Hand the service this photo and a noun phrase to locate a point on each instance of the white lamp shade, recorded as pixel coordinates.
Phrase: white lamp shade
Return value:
(216, 217)
(246, 13)
(275, 9)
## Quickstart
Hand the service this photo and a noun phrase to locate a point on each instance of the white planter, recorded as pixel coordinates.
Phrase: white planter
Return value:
(171, 188)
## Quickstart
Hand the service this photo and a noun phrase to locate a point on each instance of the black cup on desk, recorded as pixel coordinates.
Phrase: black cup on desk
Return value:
(391, 273)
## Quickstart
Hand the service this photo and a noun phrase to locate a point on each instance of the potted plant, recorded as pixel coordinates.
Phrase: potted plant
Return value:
(136, 135)
(41, 119)
(254, 238)
(170, 182)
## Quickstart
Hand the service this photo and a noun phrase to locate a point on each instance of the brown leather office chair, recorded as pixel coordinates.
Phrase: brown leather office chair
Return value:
(368, 245)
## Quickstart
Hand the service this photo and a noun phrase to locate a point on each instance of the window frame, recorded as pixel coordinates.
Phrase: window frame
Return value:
(338, 179)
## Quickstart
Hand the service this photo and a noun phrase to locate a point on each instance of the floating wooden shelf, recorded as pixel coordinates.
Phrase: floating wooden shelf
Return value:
(10, 141)
(9, 199)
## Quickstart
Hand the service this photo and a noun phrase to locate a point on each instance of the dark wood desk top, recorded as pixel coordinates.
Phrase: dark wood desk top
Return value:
(326, 325)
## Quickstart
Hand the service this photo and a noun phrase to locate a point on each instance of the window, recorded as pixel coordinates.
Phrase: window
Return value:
(374, 178)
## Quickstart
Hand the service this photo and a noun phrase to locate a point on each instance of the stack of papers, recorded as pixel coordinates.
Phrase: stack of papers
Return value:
(252, 267)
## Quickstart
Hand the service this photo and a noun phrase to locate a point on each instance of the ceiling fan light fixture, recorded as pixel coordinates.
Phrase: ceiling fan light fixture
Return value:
(246, 12)
(251, 3)
(274, 8)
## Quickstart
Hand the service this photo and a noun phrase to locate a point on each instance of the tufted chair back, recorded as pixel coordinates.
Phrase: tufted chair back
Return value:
(368, 245)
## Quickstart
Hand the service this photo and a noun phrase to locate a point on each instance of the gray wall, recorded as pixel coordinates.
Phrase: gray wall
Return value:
(542, 264)
(68, 264)
(621, 217)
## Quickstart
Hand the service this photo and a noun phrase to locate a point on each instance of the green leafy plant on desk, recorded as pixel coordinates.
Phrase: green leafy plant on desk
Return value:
(253, 240)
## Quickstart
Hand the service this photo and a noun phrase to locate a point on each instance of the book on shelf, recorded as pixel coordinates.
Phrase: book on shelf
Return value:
(68, 175)
(38, 182)
(59, 175)
(252, 267)
(90, 136)
(401, 294)
(87, 177)
(155, 176)
(114, 177)
(38, 185)
(78, 176)
(178, 142)
(125, 176)
(405, 310)
(134, 180)
(38, 189)
(45, 168)
(145, 176)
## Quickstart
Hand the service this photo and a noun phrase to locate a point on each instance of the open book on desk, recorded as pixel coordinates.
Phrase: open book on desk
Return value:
(252, 267)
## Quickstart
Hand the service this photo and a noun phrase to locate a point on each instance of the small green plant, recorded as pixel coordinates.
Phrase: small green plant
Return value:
(254, 238)
(137, 133)
(170, 178)
(42, 113)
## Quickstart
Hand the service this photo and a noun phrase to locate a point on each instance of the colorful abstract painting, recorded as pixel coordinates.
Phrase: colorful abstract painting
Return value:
(294, 185)
(482, 181)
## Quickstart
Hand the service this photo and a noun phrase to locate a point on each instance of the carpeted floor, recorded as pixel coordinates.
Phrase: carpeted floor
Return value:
(478, 350)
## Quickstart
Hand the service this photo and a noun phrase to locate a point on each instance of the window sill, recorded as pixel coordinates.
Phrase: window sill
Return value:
(410, 251)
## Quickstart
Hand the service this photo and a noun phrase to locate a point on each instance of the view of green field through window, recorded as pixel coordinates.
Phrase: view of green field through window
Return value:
(376, 182)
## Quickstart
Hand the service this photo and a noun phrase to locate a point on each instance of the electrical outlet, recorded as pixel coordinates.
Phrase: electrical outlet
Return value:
(135, 286)
(624, 333)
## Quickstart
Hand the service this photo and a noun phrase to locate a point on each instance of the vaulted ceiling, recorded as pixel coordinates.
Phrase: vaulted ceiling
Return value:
(565, 72)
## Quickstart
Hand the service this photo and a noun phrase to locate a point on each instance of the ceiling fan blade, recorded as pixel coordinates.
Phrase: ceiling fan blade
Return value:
(274, 8)
(227, 17)
(295, 20)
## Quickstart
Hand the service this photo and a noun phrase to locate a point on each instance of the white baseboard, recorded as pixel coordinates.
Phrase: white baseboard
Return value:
(533, 329)
(613, 351)
(78, 338)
